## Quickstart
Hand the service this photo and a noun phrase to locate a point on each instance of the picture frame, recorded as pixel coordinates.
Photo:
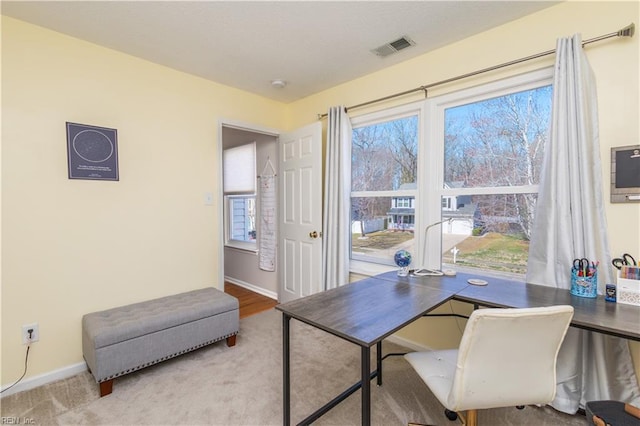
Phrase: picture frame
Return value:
(92, 152)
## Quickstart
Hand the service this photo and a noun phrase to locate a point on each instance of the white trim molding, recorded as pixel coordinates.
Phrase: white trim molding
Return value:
(268, 293)
(50, 377)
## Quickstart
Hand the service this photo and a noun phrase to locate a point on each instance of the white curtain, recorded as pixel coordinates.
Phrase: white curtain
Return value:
(569, 224)
(337, 188)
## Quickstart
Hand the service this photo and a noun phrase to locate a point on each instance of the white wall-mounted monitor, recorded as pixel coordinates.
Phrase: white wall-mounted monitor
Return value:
(625, 174)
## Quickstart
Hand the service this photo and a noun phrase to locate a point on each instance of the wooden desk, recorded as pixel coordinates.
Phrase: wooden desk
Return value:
(615, 319)
(364, 313)
(368, 311)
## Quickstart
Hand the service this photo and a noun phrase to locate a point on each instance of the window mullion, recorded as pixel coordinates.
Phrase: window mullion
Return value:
(496, 190)
(403, 193)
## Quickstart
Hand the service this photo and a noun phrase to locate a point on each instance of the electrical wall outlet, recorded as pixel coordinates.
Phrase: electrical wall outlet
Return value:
(30, 337)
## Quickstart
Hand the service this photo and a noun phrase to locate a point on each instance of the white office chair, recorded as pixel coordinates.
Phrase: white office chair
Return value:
(507, 357)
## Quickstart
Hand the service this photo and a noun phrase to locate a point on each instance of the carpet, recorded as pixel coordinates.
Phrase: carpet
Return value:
(242, 385)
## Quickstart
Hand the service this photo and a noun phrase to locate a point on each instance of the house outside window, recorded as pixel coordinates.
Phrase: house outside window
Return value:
(401, 216)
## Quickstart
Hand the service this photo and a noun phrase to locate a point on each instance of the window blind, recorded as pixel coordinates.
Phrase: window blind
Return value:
(240, 169)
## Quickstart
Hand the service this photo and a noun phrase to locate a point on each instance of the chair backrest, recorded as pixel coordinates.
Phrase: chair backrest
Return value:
(507, 357)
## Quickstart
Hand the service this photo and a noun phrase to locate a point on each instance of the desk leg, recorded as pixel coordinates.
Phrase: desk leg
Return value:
(379, 362)
(286, 371)
(366, 385)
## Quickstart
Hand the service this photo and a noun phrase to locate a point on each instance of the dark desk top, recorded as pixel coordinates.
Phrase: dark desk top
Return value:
(595, 314)
(448, 284)
(367, 311)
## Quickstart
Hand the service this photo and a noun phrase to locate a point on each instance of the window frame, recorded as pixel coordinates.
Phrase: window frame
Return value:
(361, 263)
(430, 188)
(245, 171)
(251, 246)
(435, 188)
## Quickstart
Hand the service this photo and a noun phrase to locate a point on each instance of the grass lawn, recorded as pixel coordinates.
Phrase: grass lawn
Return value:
(498, 252)
(492, 251)
(380, 240)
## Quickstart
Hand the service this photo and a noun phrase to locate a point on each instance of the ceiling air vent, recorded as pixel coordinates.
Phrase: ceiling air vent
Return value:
(393, 47)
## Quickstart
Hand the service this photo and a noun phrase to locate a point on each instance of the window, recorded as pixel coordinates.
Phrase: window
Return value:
(403, 202)
(446, 203)
(384, 159)
(493, 140)
(240, 196)
(242, 218)
(478, 165)
(240, 169)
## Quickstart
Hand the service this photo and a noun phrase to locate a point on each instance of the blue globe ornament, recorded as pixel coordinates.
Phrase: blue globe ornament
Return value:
(402, 258)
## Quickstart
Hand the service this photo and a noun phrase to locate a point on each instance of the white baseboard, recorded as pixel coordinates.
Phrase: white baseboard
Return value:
(268, 293)
(43, 379)
(81, 367)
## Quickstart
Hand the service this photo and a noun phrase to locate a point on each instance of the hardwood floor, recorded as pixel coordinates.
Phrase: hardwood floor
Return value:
(250, 302)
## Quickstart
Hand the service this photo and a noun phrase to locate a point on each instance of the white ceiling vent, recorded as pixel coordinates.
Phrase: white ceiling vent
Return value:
(393, 47)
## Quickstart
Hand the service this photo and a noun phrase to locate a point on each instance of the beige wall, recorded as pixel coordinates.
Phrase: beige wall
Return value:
(71, 246)
(75, 246)
(616, 67)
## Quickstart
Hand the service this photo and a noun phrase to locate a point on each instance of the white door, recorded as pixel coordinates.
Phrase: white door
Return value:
(300, 188)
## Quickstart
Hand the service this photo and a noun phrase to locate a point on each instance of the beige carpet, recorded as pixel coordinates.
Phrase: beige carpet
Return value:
(242, 385)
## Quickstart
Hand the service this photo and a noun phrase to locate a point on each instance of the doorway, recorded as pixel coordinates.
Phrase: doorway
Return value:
(296, 159)
(240, 262)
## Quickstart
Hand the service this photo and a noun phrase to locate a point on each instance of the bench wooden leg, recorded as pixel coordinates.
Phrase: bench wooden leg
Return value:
(106, 387)
(231, 340)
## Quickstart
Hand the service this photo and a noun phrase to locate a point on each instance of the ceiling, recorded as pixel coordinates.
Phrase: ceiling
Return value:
(312, 45)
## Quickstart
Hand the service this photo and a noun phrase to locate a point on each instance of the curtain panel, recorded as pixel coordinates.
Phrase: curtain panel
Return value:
(337, 202)
(569, 224)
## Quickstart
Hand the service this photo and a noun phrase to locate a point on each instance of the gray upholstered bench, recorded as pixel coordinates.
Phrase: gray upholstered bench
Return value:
(125, 339)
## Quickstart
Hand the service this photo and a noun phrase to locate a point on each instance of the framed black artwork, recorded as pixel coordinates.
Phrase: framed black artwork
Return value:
(92, 152)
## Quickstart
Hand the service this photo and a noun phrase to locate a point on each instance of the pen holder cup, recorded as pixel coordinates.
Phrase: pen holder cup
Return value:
(584, 286)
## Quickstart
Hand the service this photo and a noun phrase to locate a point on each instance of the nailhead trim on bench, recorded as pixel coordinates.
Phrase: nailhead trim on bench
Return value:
(122, 373)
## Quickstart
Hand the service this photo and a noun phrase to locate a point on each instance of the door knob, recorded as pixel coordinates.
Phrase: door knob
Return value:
(314, 234)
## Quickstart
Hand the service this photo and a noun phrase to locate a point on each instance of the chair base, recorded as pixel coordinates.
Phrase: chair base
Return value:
(471, 418)
(451, 415)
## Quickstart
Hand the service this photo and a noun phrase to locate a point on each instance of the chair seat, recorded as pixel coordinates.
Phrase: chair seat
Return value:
(436, 368)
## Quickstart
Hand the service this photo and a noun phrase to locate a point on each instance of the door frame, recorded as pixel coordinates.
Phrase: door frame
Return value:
(239, 125)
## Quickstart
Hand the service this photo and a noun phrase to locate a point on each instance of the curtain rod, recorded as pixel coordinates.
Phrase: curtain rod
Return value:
(627, 31)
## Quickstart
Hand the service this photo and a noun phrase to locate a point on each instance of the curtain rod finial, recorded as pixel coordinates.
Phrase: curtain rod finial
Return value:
(627, 31)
